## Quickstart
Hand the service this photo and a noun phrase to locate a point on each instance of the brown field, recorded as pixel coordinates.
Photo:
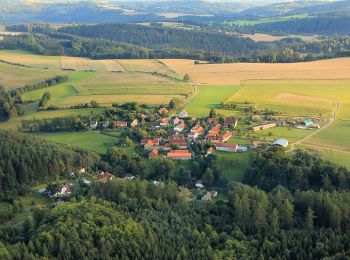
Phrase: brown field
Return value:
(261, 37)
(234, 73)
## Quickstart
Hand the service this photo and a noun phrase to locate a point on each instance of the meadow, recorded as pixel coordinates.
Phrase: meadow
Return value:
(266, 20)
(86, 140)
(209, 97)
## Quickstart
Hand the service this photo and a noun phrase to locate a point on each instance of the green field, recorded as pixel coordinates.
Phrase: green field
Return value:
(339, 158)
(86, 140)
(210, 97)
(232, 165)
(60, 91)
(266, 20)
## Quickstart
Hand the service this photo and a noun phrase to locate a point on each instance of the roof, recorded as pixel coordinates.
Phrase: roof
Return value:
(163, 110)
(225, 145)
(281, 142)
(308, 122)
(211, 120)
(179, 153)
(135, 121)
(121, 123)
(164, 121)
(230, 121)
(227, 135)
(154, 153)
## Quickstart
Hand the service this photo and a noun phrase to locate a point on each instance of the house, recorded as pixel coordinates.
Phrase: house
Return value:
(93, 124)
(150, 144)
(163, 111)
(121, 124)
(196, 131)
(183, 114)
(66, 189)
(164, 122)
(153, 154)
(156, 141)
(179, 155)
(230, 122)
(105, 177)
(166, 147)
(209, 195)
(309, 123)
(281, 142)
(263, 127)
(226, 137)
(180, 143)
(82, 171)
(143, 116)
(224, 147)
(212, 120)
(134, 123)
(214, 133)
(176, 121)
(180, 127)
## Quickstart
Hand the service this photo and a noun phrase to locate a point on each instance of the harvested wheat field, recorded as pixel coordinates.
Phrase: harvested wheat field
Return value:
(234, 73)
(144, 65)
(31, 60)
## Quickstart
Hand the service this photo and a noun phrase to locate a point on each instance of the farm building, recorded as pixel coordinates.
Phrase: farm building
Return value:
(227, 147)
(179, 155)
(263, 127)
(242, 149)
(281, 142)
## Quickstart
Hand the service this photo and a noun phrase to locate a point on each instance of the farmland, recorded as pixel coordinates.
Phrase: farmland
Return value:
(267, 20)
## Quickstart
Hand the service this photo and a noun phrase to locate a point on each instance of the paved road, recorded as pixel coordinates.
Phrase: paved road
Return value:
(319, 130)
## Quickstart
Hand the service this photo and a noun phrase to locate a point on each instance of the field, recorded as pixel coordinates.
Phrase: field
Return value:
(87, 140)
(235, 73)
(262, 37)
(266, 20)
(12, 76)
(209, 97)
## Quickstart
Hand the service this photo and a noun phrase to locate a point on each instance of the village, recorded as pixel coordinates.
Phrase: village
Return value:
(173, 137)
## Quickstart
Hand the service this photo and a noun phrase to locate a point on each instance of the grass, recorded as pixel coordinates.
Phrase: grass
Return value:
(339, 158)
(85, 140)
(209, 97)
(233, 165)
(12, 76)
(291, 134)
(60, 91)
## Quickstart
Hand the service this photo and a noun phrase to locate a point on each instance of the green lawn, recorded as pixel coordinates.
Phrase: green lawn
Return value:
(233, 165)
(291, 134)
(339, 158)
(209, 97)
(86, 140)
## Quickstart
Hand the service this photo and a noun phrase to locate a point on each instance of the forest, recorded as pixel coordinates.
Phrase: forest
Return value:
(138, 219)
(125, 41)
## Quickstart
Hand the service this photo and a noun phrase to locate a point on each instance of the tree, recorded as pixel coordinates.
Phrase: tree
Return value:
(274, 221)
(208, 176)
(174, 103)
(310, 219)
(187, 78)
(212, 113)
(94, 103)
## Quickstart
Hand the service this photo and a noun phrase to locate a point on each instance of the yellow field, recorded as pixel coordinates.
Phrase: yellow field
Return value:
(270, 38)
(144, 66)
(26, 58)
(12, 76)
(234, 73)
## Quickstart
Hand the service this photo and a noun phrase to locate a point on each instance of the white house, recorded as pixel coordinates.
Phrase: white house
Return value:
(224, 147)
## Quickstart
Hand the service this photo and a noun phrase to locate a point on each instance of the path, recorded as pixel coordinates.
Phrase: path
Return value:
(326, 148)
(319, 130)
(189, 99)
